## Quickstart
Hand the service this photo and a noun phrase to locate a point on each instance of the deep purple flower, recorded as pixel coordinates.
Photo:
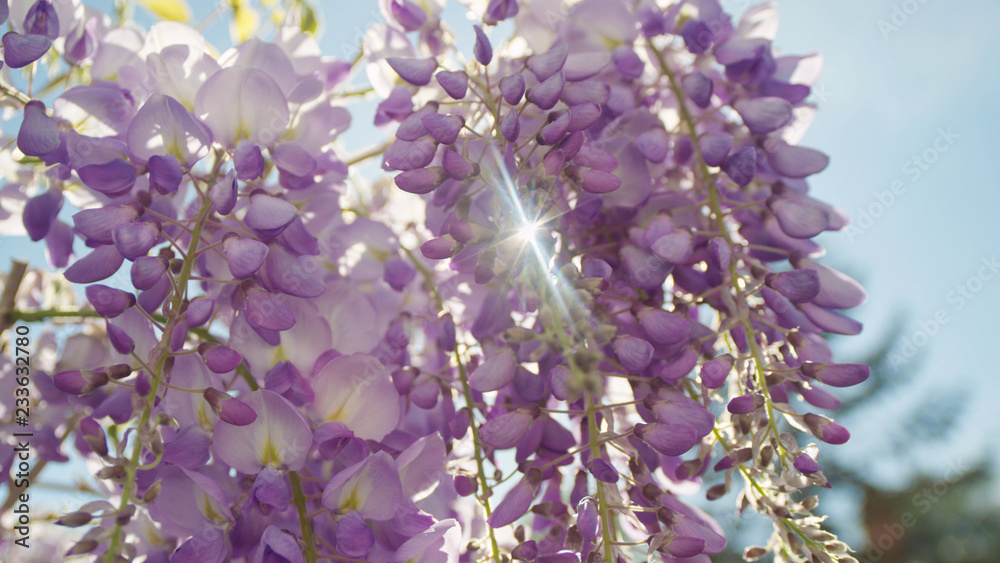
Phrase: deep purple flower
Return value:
(807, 465)
(415, 71)
(269, 215)
(134, 240)
(455, 83)
(78, 382)
(500, 10)
(99, 265)
(223, 194)
(39, 134)
(697, 36)
(42, 19)
(495, 373)
(21, 50)
(633, 353)
(112, 178)
(409, 15)
(354, 537)
(826, 429)
(482, 49)
(248, 161)
(506, 430)
(277, 545)
(109, 302)
(741, 166)
(512, 88)
(40, 212)
(837, 375)
(270, 492)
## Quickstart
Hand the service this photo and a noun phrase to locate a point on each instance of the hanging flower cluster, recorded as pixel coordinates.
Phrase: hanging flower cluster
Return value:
(589, 288)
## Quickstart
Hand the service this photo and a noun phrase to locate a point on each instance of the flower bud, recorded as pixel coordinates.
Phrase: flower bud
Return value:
(79, 382)
(75, 519)
(228, 408)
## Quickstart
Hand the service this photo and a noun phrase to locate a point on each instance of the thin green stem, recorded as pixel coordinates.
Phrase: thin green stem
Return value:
(300, 508)
(12, 93)
(734, 277)
(480, 466)
(182, 279)
(469, 403)
(370, 153)
(44, 314)
(595, 452)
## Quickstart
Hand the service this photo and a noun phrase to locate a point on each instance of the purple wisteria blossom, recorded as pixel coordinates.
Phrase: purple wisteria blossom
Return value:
(577, 283)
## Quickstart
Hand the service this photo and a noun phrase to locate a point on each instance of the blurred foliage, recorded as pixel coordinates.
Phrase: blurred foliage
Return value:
(171, 10)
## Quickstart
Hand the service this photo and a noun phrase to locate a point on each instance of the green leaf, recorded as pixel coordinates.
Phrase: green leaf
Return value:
(169, 10)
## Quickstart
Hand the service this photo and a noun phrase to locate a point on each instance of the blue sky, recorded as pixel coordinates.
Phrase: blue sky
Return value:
(914, 87)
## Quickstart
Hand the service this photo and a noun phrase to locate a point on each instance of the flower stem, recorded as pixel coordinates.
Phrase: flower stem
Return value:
(182, 279)
(11, 285)
(481, 470)
(595, 452)
(300, 508)
(734, 278)
(469, 403)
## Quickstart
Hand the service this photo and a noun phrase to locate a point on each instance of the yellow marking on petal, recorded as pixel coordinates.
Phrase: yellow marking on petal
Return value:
(175, 150)
(203, 419)
(279, 355)
(207, 510)
(270, 455)
(352, 502)
(335, 416)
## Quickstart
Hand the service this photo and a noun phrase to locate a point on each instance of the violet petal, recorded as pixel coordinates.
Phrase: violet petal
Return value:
(112, 178)
(454, 83)
(444, 128)
(741, 166)
(40, 212)
(547, 64)
(482, 49)
(415, 71)
(20, 51)
(39, 134)
(763, 115)
(512, 88)
(244, 256)
(546, 93)
(100, 264)
(134, 240)
(495, 373)
(108, 301)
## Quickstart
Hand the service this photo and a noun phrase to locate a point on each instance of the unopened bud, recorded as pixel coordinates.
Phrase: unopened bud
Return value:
(717, 491)
(75, 519)
(84, 546)
(125, 516)
(114, 473)
(766, 455)
(118, 371)
(152, 492)
(520, 335)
